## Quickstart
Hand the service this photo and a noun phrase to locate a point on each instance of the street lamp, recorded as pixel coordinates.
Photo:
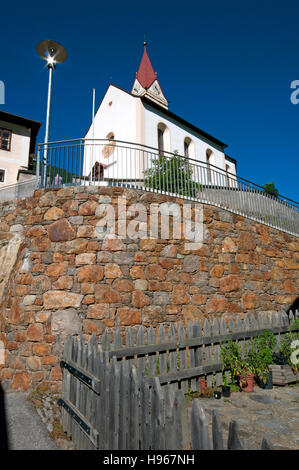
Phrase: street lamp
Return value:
(54, 53)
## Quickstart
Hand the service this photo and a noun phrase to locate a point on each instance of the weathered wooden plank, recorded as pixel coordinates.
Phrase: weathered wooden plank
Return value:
(145, 428)
(152, 348)
(260, 320)
(106, 341)
(117, 340)
(208, 352)
(216, 355)
(240, 329)
(141, 360)
(114, 405)
(179, 402)
(247, 328)
(200, 439)
(133, 435)
(193, 383)
(172, 355)
(170, 430)
(152, 358)
(234, 439)
(157, 416)
(162, 355)
(124, 407)
(198, 350)
(217, 431)
(106, 399)
(183, 357)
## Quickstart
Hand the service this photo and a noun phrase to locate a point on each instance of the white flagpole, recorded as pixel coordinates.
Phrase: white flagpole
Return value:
(93, 111)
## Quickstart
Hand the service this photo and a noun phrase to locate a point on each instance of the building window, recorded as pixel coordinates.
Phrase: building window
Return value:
(5, 139)
(109, 148)
(2, 176)
(186, 148)
(160, 141)
(209, 157)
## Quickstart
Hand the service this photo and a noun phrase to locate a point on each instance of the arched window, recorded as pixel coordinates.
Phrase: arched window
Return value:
(109, 148)
(210, 161)
(189, 148)
(160, 141)
(163, 136)
(186, 147)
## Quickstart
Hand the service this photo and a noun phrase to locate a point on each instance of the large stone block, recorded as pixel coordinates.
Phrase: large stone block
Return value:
(57, 299)
(66, 322)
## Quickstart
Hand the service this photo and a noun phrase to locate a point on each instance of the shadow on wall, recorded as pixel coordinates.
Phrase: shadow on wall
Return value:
(294, 306)
(3, 424)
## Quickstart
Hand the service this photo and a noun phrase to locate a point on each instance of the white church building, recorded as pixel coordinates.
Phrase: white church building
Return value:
(130, 129)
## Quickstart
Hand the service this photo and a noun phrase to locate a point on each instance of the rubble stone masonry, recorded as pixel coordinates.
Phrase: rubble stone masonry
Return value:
(57, 277)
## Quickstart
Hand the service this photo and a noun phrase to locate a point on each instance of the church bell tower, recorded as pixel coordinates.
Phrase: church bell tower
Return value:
(146, 82)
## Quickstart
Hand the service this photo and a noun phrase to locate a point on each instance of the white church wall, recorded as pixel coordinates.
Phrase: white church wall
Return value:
(116, 115)
(177, 134)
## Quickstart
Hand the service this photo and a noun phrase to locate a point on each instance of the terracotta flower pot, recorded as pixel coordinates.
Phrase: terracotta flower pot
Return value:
(247, 383)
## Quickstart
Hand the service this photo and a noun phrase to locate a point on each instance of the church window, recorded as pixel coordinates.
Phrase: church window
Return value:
(109, 148)
(160, 140)
(186, 149)
(210, 159)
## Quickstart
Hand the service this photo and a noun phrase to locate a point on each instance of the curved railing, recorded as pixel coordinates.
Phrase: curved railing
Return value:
(131, 165)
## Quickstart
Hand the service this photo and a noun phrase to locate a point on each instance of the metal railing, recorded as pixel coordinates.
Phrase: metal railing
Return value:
(118, 163)
(18, 190)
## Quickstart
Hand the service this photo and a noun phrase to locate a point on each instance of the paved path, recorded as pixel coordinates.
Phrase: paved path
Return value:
(25, 429)
(270, 413)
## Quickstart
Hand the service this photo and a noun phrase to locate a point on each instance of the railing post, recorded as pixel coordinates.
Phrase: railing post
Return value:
(37, 169)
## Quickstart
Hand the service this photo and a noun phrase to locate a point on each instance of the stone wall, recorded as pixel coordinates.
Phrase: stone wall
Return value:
(62, 279)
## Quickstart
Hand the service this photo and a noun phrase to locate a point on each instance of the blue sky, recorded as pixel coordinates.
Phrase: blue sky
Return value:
(224, 66)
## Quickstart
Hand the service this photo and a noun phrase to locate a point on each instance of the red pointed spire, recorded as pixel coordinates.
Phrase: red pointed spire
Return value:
(145, 75)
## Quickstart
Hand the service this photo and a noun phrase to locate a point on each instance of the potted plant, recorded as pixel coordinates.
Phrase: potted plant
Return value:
(245, 374)
(225, 387)
(260, 357)
(231, 355)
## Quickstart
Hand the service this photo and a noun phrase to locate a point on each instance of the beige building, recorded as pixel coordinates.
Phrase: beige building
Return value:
(17, 143)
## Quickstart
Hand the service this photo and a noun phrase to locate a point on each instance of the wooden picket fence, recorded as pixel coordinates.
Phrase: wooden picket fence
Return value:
(131, 396)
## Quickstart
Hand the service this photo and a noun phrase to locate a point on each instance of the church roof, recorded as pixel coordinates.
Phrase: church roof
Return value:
(146, 75)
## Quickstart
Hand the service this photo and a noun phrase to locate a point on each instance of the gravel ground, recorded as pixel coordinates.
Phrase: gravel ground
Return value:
(25, 429)
(270, 413)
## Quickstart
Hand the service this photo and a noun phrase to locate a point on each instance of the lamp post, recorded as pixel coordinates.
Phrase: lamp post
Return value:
(54, 53)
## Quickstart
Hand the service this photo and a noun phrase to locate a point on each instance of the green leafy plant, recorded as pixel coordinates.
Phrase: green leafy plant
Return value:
(231, 355)
(172, 174)
(269, 188)
(261, 354)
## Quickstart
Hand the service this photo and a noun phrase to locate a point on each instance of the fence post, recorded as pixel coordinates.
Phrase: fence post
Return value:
(200, 438)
